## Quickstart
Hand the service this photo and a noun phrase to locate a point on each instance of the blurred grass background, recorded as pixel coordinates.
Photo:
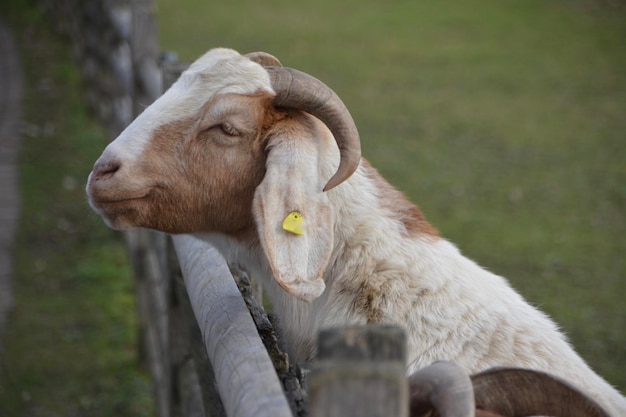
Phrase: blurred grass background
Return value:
(70, 346)
(505, 120)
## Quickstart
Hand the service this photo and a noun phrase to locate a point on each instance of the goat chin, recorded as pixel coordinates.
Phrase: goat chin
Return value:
(233, 148)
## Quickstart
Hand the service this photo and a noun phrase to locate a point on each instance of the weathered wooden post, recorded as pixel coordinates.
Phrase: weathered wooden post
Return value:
(148, 249)
(360, 371)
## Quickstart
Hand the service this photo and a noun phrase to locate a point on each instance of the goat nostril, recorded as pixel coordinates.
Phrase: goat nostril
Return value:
(105, 170)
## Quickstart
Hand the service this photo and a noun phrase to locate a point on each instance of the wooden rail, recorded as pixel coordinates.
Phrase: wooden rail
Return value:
(245, 375)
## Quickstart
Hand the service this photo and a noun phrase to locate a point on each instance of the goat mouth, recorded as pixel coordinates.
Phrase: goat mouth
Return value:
(106, 201)
(119, 212)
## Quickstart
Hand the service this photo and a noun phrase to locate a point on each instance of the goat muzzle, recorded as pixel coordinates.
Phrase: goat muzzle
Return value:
(105, 170)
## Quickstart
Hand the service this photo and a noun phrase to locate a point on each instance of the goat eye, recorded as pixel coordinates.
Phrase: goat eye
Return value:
(229, 129)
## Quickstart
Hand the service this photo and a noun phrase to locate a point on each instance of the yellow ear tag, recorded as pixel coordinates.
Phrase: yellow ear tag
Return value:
(293, 223)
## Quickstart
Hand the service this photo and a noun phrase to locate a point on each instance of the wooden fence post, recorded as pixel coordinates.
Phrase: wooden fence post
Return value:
(148, 249)
(360, 371)
(148, 254)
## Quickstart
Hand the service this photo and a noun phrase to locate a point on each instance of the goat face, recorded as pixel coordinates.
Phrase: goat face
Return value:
(230, 148)
(196, 148)
(194, 174)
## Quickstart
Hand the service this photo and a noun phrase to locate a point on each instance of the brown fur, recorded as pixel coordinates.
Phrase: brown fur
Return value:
(202, 179)
(368, 302)
(399, 207)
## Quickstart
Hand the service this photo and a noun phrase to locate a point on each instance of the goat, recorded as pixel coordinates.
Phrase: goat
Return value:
(239, 152)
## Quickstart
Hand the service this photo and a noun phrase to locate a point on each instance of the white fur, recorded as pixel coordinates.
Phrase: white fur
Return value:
(451, 308)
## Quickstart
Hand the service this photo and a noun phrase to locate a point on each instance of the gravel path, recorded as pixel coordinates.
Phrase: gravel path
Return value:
(10, 118)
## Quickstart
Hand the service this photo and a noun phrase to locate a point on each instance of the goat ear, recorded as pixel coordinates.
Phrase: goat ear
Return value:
(294, 217)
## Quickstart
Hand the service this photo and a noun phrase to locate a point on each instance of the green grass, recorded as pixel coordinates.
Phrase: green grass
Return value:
(70, 346)
(505, 121)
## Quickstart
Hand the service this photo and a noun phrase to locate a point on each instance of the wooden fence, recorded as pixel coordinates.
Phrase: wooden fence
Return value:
(211, 351)
(225, 361)
(209, 346)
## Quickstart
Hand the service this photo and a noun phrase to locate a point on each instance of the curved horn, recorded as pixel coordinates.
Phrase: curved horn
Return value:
(442, 386)
(295, 89)
(264, 59)
(516, 392)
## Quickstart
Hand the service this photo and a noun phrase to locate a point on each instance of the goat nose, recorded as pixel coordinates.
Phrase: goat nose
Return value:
(105, 170)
